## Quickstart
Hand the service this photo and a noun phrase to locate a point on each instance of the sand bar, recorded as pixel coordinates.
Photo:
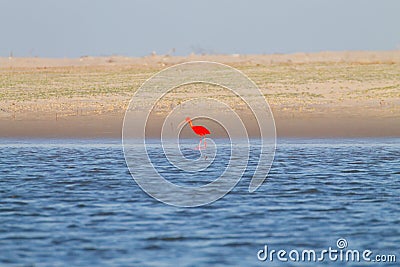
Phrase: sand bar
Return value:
(327, 94)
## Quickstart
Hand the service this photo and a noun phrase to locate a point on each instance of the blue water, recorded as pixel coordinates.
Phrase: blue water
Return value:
(74, 203)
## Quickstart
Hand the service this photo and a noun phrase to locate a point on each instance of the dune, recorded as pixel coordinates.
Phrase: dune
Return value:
(327, 94)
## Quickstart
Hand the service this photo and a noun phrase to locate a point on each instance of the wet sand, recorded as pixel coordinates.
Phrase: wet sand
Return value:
(110, 126)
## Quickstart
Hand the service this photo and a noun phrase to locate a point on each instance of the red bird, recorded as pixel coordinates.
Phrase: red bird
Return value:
(199, 130)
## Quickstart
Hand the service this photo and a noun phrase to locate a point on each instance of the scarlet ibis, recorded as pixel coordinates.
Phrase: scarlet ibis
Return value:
(199, 130)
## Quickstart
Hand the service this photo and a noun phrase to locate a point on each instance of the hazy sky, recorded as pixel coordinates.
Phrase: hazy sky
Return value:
(74, 28)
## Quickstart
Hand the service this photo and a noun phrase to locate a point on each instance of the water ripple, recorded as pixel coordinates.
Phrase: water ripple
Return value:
(73, 203)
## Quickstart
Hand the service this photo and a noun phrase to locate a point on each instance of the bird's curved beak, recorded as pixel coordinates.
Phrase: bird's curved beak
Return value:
(180, 124)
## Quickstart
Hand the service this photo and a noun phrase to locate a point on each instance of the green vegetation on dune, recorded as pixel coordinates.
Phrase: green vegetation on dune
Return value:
(99, 89)
(68, 82)
(31, 84)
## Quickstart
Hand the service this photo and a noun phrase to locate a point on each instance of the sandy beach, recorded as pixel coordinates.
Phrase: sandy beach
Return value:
(327, 94)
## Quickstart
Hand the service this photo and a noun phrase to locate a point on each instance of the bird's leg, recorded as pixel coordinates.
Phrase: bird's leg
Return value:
(199, 146)
(204, 142)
